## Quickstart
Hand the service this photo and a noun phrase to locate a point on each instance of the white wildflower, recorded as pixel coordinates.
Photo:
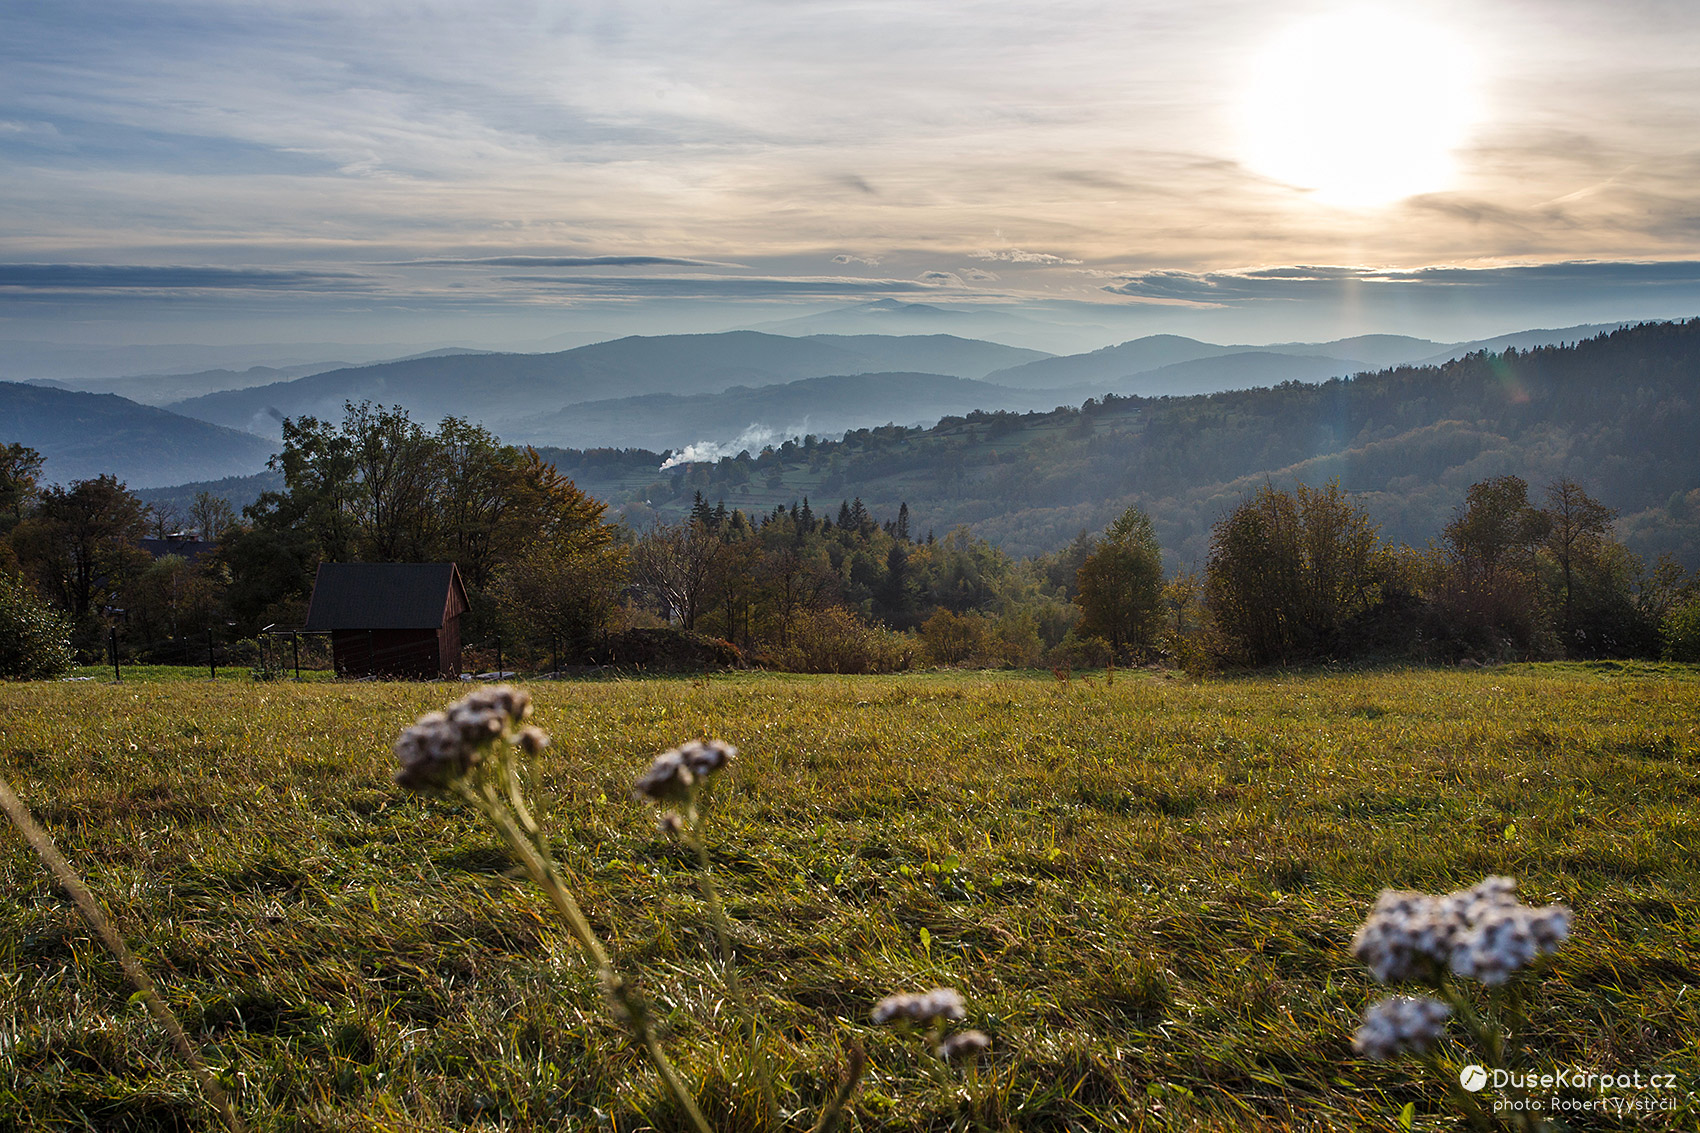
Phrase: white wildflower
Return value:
(668, 780)
(675, 774)
(1399, 1024)
(926, 1007)
(441, 747)
(964, 1044)
(1507, 939)
(1482, 933)
(705, 757)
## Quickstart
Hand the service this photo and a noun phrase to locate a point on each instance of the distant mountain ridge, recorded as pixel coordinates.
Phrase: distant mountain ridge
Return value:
(165, 389)
(82, 435)
(509, 393)
(825, 406)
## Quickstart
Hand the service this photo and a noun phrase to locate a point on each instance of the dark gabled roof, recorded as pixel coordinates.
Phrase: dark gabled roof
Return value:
(385, 596)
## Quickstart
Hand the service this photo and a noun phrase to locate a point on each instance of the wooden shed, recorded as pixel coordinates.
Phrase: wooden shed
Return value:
(390, 619)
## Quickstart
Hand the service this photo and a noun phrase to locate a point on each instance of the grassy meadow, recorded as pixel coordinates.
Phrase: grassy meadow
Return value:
(1144, 890)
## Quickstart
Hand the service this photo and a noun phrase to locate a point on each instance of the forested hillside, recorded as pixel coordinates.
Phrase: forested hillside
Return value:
(1616, 413)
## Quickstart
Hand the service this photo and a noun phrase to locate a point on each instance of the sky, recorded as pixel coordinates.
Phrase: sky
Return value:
(436, 172)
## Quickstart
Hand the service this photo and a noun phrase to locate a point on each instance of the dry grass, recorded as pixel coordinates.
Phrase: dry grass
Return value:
(1144, 891)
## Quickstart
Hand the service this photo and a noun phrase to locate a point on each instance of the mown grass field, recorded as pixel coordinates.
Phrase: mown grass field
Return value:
(1145, 892)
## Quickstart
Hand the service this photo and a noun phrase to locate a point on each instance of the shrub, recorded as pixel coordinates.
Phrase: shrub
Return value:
(1681, 631)
(35, 639)
(834, 640)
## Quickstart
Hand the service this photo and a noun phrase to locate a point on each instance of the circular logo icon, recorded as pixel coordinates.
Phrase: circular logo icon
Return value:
(1473, 1077)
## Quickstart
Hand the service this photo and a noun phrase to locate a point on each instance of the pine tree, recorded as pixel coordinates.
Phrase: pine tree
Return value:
(701, 512)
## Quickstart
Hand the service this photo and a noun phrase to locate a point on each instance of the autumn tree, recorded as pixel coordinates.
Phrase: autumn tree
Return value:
(1119, 587)
(1496, 532)
(211, 515)
(677, 564)
(20, 475)
(1288, 571)
(1579, 545)
(80, 545)
(1485, 597)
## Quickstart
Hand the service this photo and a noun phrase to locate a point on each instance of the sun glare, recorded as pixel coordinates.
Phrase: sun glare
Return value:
(1360, 107)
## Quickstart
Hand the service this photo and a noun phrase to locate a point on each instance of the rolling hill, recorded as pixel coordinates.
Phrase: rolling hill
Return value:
(508, 393)
(745, 417)
(82, 435)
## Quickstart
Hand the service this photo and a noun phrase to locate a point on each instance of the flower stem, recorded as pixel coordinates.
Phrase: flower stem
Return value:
(540, 864)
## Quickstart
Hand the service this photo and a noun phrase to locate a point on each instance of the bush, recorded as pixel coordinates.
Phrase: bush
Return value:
(1681, 631)
(665, 649)
(35, 639)
(834, 640)
(1075, 651)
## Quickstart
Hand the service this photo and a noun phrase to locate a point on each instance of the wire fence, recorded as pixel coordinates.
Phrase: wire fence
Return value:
(288, 653)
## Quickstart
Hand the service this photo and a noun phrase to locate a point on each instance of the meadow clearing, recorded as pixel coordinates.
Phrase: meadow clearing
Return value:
(1144, 891)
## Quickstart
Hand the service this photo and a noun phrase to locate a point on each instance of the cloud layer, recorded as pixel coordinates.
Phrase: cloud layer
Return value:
(729, 148)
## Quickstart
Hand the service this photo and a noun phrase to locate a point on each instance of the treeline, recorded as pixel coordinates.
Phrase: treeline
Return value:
(1292, 576)
(1304, 576)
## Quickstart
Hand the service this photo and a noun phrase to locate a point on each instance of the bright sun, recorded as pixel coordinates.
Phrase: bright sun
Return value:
(1362, 107)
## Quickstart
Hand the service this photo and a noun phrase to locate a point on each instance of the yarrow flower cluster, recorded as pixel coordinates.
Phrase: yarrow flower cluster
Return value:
(1482, 933)
(675, 774)
(934, 1010)
(441, 747)
(963, 1044)
(926, 1007)
(1401, 1024)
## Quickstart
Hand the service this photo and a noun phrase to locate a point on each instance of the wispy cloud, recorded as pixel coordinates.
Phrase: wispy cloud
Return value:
(1308, 282)
(76, 277)
(565, 262)
(1017, 256)
(311, 135)
(749, 287)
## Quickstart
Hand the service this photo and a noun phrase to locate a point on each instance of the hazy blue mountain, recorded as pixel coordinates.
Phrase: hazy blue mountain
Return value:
(933, 353)
(892, 317)
(21, 360)
(1245, 370)
(165, 389)
(1368, 350)
(744, 417)
(1114, 366)
(168, 389)
(1109, 364)
(509, 392)
(82, 435)
(1614, 413)
(240, 491)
